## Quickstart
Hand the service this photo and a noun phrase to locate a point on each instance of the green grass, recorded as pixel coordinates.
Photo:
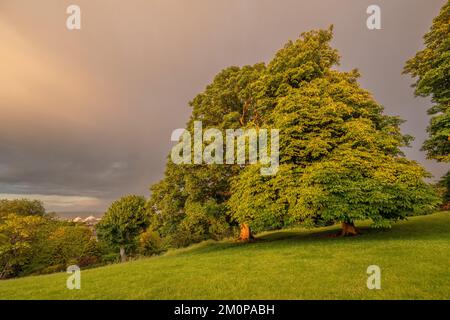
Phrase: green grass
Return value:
(289, 264)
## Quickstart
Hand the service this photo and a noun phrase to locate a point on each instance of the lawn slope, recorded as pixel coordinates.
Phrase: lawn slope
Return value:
(289, 264)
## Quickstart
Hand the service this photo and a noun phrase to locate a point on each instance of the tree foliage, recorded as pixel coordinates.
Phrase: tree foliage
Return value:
(31, 244)
(23, 207)
(17, 235)
(189, 204)
(125, 219)
(70, 244)
(431, 68)
(340, 155)
(150, 243)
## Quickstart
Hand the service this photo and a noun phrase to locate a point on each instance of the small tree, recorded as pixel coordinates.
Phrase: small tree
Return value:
(123, 222)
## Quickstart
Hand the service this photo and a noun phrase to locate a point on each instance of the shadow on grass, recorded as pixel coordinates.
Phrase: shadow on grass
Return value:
(403, 230)
(417, 228)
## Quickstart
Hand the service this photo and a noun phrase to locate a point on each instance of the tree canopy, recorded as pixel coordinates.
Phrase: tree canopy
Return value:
(125, 219)
(23, 207)
(340, 155)
(431, 68)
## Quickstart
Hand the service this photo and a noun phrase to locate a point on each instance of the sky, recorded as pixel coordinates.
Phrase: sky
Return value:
(86, 115)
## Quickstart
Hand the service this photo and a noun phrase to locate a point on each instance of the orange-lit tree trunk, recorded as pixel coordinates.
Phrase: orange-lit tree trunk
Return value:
(349, 229)
(246, 233)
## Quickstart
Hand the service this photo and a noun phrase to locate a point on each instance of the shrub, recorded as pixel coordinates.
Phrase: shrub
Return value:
(150, 243)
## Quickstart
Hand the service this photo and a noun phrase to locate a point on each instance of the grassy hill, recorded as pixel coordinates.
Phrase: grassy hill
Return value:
(289, 264)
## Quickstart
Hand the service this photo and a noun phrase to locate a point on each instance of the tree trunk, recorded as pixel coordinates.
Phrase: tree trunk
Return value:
(4, 272)
(349, 229)
(123, 255)
(246, 233)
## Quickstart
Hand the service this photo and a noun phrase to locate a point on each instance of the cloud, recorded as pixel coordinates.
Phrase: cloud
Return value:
(86, 116)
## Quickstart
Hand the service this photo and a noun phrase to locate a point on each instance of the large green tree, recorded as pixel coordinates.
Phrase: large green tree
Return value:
(431, 68)
(125, 219)
(324, 119)
(340, 157)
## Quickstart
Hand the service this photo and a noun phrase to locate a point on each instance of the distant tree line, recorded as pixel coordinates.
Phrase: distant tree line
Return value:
(35, 242)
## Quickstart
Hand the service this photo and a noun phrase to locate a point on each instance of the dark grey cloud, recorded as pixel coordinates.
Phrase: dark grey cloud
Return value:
(89, 113)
